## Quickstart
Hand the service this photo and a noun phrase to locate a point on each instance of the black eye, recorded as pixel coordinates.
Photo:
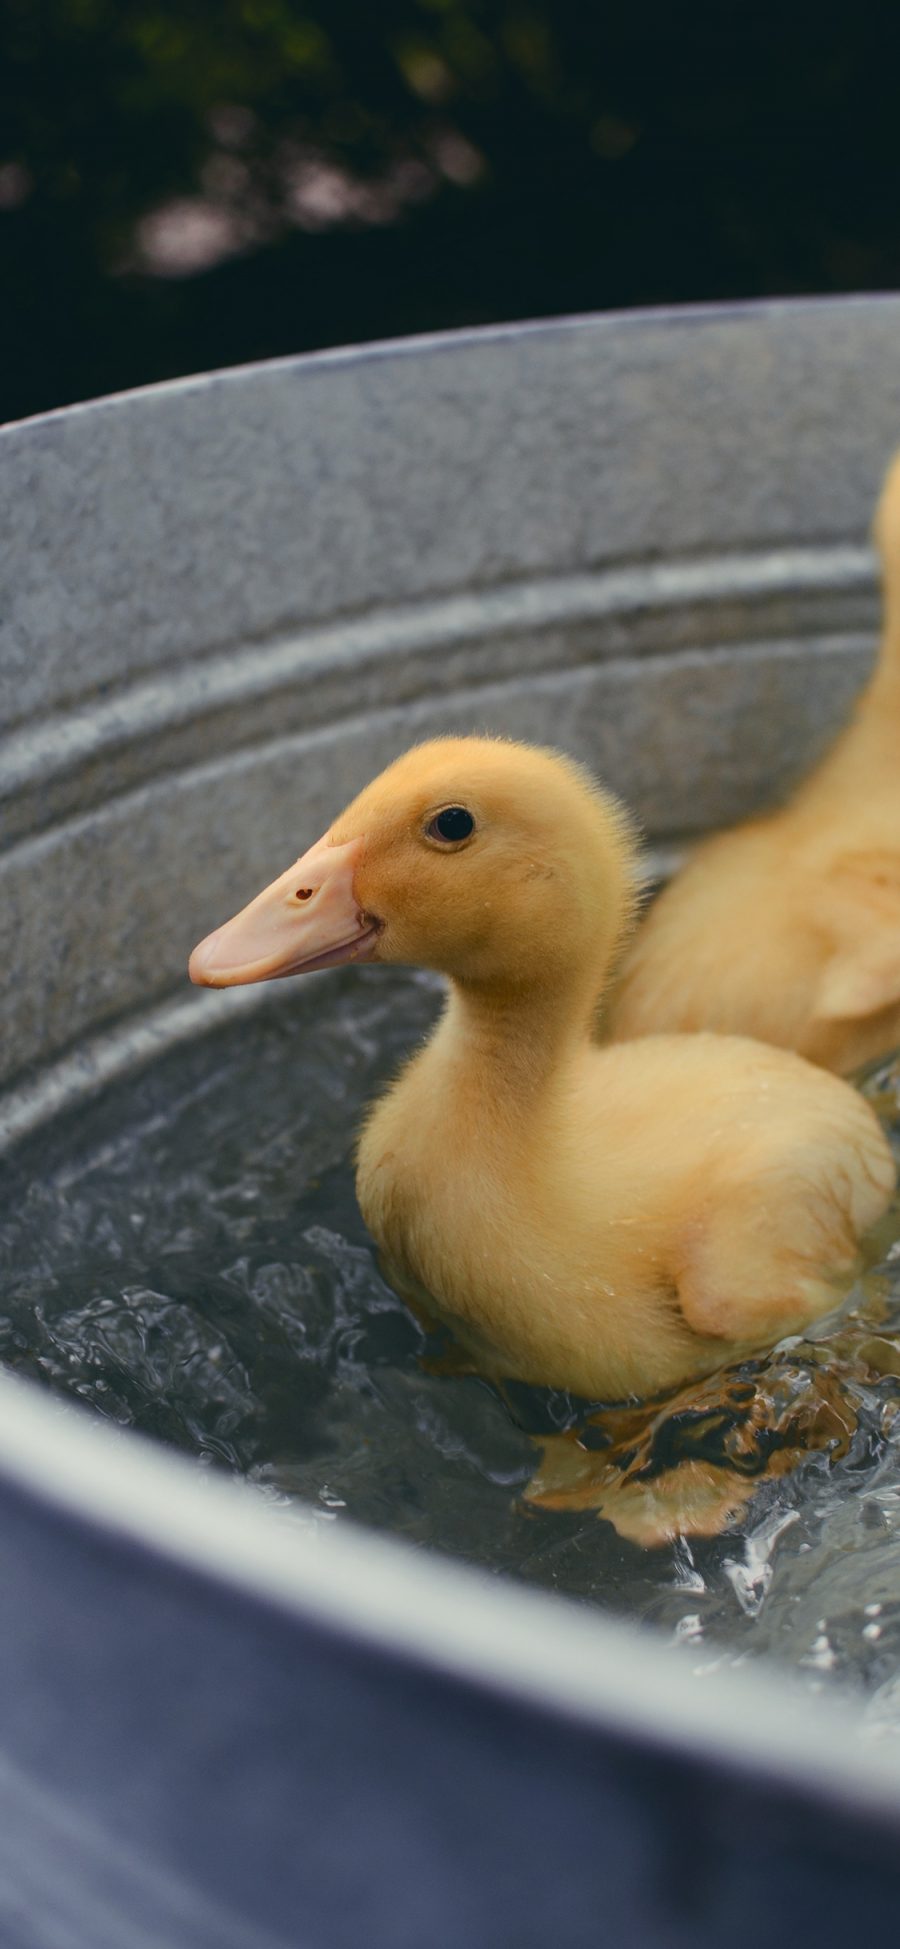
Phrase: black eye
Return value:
(452, 825)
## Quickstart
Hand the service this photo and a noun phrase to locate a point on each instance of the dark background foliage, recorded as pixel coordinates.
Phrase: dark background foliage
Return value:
(191, 183)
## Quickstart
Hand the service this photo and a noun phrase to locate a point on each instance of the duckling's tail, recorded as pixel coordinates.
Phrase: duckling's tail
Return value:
(886, 535)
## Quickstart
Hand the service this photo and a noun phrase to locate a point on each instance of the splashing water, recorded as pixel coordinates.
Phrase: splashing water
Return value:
(185, 1255)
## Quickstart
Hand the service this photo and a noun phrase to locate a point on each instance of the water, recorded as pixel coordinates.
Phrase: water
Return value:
(185, 1254)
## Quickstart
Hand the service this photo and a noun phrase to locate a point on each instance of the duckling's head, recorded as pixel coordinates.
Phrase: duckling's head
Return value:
(498, 864)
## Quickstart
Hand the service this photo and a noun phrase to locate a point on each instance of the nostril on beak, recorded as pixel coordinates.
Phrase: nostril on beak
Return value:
(304, 893)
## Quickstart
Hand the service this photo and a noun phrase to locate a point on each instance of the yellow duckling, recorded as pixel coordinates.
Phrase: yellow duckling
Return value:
(788, 927)
(610, 1220)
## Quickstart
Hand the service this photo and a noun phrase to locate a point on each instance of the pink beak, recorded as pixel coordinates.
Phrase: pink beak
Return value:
(308, 919)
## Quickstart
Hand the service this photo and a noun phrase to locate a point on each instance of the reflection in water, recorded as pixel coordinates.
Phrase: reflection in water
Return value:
(186, 1255)
(689, 1462)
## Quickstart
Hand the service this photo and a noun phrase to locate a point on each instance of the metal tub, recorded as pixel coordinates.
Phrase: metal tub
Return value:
(225, 603)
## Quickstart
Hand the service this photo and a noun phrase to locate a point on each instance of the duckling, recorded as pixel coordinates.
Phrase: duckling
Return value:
(606, 1220)
(788, 927)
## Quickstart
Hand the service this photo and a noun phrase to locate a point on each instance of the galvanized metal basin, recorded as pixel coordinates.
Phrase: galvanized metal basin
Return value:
(226, 602)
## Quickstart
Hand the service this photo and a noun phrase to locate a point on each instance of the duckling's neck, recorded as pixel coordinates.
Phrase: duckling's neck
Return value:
(881, 697)
(515, 1035)
(515, 1031)
(513, 1042)
(865, 751)
(880, 702)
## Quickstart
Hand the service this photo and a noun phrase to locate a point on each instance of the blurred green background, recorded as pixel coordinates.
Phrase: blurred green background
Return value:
(199, 183)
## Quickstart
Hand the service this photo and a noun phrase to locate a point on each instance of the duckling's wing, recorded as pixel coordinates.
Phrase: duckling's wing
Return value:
(858, 910)
(779, 1244)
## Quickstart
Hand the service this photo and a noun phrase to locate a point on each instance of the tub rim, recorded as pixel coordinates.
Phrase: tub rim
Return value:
(377, 350)
(554, 1654)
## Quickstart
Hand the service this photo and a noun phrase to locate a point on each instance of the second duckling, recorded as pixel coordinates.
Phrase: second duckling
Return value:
(788, 927)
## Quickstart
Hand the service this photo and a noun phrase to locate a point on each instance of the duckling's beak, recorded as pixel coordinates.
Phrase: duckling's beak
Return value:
(308, 919)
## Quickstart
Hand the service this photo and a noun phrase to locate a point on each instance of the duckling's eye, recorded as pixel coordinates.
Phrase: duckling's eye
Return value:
(451, 825)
